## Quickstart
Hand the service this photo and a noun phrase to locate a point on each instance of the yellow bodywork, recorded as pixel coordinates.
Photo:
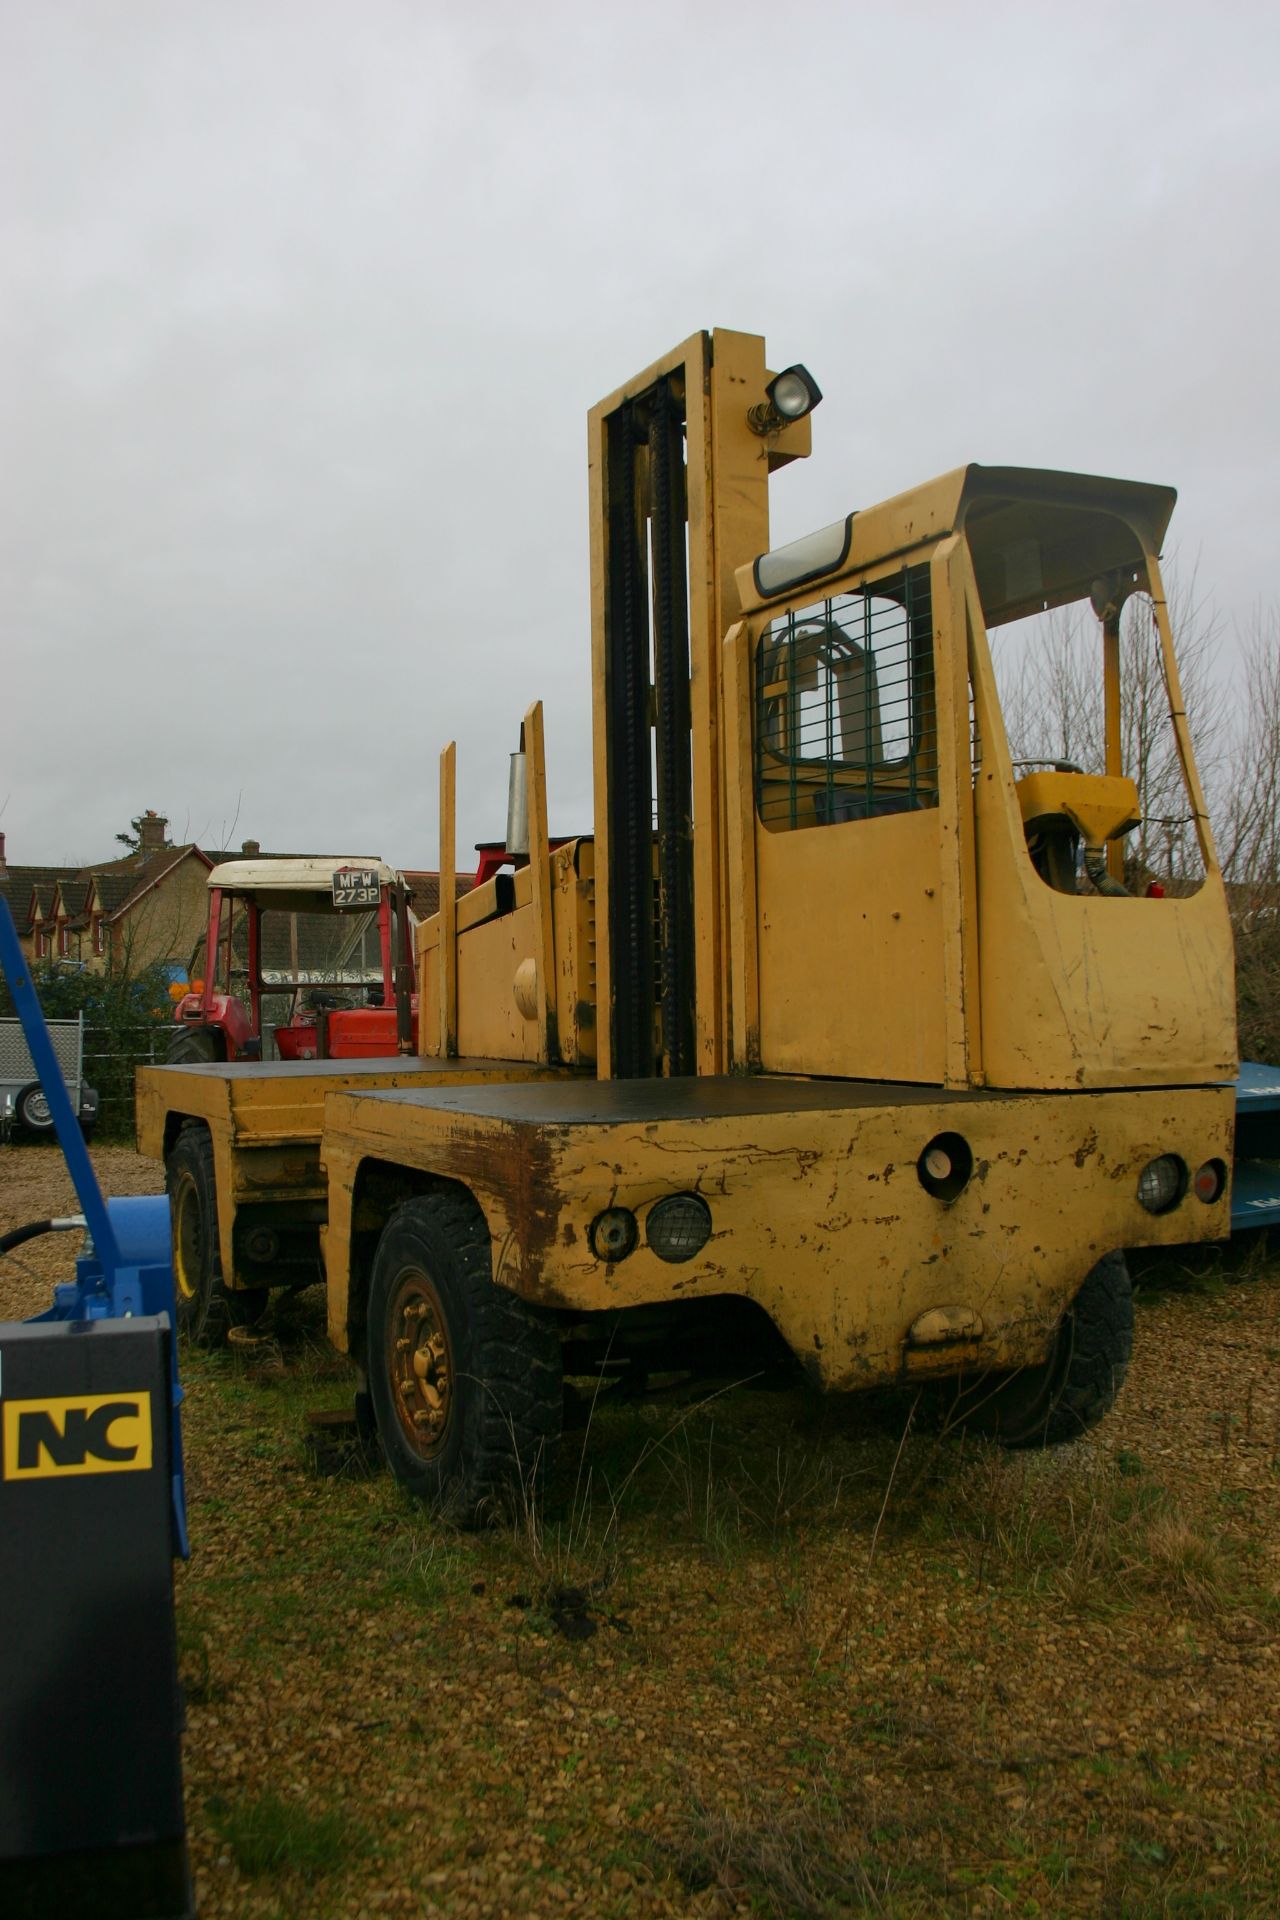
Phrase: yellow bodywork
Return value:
(265, 1121)
(873, 959)
(909, 961)
(818, 1212)
(499, 1008)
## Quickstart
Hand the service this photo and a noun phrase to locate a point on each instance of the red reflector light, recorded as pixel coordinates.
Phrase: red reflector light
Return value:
(1209, 1181)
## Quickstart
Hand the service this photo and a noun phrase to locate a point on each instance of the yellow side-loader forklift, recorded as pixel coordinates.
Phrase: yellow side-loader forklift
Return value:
(844, 1037)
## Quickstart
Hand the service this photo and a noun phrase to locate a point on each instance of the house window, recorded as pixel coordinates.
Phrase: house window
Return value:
(99, 935)
(42, 944)
(64, 940)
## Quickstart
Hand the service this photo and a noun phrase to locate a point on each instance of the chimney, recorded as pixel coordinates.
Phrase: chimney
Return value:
(4, 864)
(250, 849)
(152, 829)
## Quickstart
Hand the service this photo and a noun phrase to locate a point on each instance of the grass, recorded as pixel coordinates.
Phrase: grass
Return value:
(796, 1860)
(875, 1666)
(270, 1835)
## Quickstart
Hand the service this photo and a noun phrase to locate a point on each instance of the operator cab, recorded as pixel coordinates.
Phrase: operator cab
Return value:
(882, 774)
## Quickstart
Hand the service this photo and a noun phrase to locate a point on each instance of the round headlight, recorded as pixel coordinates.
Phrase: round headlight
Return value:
(790, 394)
(678, 1228)
(1162, 1183)
(613, 1233)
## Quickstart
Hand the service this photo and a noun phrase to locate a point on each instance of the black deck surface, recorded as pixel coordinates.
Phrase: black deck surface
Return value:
(630, 1102)
(354, 1069)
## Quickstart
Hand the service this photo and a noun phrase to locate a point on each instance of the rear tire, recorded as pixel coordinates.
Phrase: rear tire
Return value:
(193, 1047)
(206, 1308)
(465, 1378)
(1071, 1390)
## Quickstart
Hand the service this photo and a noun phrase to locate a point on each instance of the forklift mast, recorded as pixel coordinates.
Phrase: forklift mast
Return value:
(679, 501)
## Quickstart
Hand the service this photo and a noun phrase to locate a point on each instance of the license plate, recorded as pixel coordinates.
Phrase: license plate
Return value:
(356, 887)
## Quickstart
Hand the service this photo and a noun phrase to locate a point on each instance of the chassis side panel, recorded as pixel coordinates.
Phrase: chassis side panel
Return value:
(818, 1211)
(265, 1121)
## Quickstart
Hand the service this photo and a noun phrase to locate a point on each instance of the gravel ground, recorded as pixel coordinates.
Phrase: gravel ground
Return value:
(758, 1657)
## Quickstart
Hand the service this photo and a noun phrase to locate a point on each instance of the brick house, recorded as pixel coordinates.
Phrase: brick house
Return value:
(148, 905)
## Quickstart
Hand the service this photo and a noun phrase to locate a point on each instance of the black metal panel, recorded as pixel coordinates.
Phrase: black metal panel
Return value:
(648, 735)
(91, 1817)
(628, 750)
(673, 755)
(583, 1101)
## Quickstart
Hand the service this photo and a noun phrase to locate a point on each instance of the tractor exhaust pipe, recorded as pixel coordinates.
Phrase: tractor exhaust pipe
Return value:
(518, 803)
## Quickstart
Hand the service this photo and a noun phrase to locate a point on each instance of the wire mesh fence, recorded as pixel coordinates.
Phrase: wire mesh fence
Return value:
(112, 1057)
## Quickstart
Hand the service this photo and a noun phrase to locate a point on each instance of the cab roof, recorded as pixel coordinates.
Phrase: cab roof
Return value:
(309, 873)
(1039, 538)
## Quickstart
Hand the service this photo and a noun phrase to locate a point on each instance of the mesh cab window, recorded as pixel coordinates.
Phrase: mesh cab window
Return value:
(844, 707)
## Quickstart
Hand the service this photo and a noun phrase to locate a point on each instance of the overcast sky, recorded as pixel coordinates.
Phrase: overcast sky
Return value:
(305, 303)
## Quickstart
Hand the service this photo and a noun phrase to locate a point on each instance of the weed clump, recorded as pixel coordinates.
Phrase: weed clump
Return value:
(268, 1835)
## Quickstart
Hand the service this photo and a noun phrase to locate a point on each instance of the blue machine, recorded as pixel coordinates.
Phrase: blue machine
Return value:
(128, 1268)
(92, 1513)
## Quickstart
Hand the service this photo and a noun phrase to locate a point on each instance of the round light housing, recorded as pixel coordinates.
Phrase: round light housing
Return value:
(613, 1234)
(678, 1228)
(789, 396)
(1209, 1181)
(794, 392)
(945, 1166)
(1162, 1183)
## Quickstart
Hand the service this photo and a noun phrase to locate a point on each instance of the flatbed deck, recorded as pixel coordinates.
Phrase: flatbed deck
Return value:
(579, 1102)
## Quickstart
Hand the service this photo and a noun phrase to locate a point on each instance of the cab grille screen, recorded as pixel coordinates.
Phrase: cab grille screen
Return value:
(844, 707)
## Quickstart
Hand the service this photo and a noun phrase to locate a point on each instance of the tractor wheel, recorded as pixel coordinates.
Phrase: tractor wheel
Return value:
(465, 1378)
(33, 1110)
(206, 1308)
(193, 1047)
(1070, 1391)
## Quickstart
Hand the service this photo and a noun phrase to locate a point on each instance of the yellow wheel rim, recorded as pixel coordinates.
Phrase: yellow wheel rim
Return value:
(420, 1364)
(186, 1240)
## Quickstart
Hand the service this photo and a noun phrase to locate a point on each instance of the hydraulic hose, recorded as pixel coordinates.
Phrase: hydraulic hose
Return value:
(34, 1228)
(1095, 865)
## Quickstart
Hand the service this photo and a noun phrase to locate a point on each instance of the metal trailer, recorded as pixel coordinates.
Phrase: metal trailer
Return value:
(22, 1098)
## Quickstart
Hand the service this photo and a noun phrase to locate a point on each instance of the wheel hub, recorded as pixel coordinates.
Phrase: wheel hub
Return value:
(419, 1364)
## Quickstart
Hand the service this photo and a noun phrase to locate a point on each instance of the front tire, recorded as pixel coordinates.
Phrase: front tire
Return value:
(465, 1378)
(1071, 1390)
(206, 1308)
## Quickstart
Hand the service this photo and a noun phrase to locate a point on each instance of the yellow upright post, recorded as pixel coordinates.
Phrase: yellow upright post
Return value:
(1111, 719)
(544, 946)
(448, 904)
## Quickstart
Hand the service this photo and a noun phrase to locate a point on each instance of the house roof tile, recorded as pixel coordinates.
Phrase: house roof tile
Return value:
(147, 872)
(20, 885)
(424, 890)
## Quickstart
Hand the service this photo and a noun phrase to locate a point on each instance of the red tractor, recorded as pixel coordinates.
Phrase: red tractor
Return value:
(304, 959)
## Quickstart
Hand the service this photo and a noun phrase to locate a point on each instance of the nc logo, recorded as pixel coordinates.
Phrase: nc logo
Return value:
(101, 1433)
